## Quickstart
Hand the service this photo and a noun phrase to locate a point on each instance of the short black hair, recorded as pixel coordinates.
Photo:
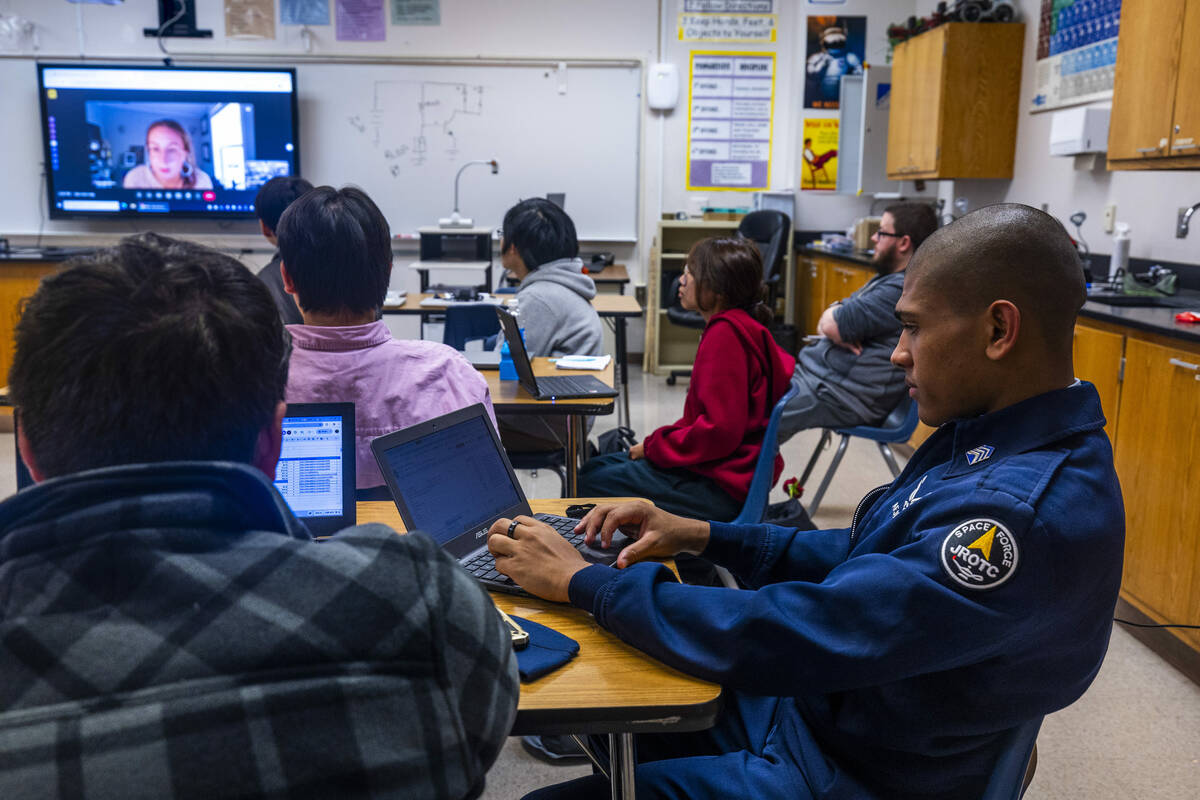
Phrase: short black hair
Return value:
(540, 231)
(153, 350)
(1007, 251)
(276, 195)
(914, 220)
(337, 248)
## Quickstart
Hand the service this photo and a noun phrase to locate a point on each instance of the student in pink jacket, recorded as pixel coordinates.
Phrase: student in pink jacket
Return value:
(336, 262)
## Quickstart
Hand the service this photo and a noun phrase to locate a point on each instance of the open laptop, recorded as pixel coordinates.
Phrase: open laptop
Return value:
(559, 387)
(316, 472)
(450, 478)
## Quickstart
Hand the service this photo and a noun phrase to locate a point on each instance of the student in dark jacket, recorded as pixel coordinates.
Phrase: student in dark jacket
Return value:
(702, 464)
(971, 595)
(269, 204)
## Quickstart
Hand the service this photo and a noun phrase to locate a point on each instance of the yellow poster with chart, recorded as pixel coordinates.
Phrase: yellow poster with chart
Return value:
(818, 163)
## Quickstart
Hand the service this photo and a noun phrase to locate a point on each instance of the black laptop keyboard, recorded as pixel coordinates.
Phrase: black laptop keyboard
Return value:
(569, 384)
(483, 566)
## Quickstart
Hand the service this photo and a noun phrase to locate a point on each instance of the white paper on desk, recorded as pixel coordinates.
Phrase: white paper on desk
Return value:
(583, 362)
(394, 299)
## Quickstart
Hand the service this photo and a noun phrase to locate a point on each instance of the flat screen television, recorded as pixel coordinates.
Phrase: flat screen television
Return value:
(138, 141)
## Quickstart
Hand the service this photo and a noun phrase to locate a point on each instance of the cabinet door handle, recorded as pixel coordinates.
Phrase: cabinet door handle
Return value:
(1148, 149)
(1175, 362)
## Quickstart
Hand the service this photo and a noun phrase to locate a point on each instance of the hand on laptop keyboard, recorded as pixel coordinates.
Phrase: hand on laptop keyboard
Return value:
(540, 557)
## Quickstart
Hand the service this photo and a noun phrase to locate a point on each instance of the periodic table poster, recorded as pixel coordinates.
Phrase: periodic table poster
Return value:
(1077, 52)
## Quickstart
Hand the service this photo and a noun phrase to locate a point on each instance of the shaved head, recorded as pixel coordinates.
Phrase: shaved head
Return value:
(1006, 252)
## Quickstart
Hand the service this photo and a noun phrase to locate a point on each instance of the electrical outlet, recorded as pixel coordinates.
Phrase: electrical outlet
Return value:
(1110, 217)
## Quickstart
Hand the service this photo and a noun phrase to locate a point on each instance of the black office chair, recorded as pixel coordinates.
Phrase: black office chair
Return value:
(771, 232)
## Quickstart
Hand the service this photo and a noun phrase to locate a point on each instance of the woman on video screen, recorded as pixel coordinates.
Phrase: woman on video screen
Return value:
(171, 161)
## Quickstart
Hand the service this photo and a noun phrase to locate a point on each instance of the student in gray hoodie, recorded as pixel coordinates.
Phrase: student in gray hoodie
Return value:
(541, 250)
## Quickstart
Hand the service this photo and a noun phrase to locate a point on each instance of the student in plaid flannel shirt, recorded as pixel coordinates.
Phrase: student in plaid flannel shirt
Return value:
(169, 629)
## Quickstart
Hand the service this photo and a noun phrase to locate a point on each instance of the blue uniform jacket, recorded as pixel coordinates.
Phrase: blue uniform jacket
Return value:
(973, 593)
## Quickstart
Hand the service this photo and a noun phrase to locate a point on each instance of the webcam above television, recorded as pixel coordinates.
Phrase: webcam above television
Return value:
(137, 141)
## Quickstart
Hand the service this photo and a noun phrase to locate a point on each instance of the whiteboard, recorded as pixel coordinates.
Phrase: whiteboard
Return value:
(401, 131)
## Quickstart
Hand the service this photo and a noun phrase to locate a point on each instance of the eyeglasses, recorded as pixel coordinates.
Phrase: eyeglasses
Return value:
(887, 233)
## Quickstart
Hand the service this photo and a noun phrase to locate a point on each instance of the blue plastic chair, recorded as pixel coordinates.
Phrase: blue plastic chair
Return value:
(898, 427)
(468, 323)
(764, 471)
(764, 476)
(1014, 770)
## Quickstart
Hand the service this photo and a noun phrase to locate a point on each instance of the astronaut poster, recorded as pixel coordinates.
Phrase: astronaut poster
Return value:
(835, 48)
(818, 168)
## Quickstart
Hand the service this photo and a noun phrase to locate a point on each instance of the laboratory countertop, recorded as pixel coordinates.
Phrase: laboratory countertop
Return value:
(860, 257)
(1150, 319)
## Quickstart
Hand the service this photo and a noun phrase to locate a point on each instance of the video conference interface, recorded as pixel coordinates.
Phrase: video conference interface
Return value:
(309, 472)
(147, 141)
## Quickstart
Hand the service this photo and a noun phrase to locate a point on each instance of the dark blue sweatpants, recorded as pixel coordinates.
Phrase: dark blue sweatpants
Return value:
(677, 490)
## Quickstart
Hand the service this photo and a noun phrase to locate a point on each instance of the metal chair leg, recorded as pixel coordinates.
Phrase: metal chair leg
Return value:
(837, 459)
(890, 458)
(812, 462)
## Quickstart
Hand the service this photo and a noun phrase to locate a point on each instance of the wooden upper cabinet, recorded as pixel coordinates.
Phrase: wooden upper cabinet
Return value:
(955, 92)
(1144, 86)
(1185, 133)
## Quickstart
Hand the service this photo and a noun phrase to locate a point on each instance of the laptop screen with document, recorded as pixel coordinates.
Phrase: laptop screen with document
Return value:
(316, 468)
(450, 478)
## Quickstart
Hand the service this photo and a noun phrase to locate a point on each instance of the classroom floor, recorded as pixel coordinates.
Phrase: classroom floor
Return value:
(1134, 734)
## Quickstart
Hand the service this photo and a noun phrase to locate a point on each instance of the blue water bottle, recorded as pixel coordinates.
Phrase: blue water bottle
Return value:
(508, 372)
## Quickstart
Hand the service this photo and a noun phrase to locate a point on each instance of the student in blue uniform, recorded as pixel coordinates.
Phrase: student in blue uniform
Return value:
(889, 660)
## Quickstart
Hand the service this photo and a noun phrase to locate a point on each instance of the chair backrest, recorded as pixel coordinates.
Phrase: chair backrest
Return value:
(469, 322)
(898, 427)
(1008, 780)
(764, 469)
(770, 230)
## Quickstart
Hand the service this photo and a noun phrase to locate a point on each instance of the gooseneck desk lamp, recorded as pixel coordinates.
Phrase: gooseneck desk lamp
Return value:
(456, 220)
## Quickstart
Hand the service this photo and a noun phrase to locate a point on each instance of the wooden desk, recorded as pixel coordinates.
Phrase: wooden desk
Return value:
(616, 308)
(509, 398)
(613, 276)
(610, 687)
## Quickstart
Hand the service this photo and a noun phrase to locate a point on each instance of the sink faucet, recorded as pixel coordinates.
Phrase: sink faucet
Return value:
(1181, 223)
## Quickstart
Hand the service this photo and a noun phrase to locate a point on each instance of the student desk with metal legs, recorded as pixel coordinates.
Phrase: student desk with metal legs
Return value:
(609, 688)
(616, 309)
(509, 398)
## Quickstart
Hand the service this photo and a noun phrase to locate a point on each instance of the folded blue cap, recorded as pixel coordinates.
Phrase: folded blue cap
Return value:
(547, 650)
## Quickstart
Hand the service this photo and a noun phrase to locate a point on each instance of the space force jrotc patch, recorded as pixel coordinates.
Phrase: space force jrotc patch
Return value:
(980, 554)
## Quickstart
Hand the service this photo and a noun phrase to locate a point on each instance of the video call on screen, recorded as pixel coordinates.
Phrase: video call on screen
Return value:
(165, 141)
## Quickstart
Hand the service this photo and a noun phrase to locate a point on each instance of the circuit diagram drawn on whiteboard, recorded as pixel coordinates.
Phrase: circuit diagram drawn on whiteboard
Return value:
(440, 108)
(401, 132)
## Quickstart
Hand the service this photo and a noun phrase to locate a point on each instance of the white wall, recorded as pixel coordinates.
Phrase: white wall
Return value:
(1148, 201)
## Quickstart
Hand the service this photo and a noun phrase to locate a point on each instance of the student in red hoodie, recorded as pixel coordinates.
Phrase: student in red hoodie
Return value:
(701, 465)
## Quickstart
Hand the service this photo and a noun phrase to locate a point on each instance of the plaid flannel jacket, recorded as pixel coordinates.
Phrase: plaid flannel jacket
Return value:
(171, 631)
